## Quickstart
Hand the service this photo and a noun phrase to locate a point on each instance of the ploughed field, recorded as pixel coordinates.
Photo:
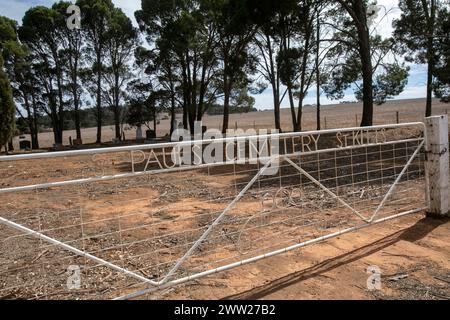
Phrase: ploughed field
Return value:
(333, 116)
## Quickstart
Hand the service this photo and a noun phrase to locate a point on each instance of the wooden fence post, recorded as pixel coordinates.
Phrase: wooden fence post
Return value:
(437, 165)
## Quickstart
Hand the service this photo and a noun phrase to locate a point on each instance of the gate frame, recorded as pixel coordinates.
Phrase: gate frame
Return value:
(435, 131)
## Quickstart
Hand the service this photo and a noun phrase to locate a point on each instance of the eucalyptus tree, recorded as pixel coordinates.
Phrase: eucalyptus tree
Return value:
(322, 63)
(235, 30)
(197, 51)
(7, 107)
(159, 66)
(161, 61)
(187, 34)
(95, 21)
(268, 45)
(18, 66)
(26, 90)
(299, 54)
(145, 103)
(416, 36)
(72, 57)
(139, 112)
(42, 34)
(121, 41)
(355, 29)
(362, 58)
(286, 45)
(25, 86)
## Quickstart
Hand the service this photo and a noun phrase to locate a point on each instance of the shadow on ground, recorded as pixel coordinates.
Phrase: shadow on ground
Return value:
(413, 234)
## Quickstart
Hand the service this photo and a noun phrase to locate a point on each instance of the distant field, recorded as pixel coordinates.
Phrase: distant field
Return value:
(333, 116)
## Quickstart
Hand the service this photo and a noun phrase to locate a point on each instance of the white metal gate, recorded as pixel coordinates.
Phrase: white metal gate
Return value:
(126, 221)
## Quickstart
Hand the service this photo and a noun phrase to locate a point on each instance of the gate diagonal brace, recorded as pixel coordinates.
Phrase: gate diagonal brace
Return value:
(321, 186)
(301, 170)
(383, 202)
(74, 250)
(394, 185)
(217, 221)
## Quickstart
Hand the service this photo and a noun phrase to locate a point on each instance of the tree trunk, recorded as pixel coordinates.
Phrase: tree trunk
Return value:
(430, 58)
(226, 114)
(117, 108)
(303, 84)
(358, 12)
(154, 119)
(429, 103)
(59, 140)
(77, 119)
(191, 115)
(275, 85)
(76, 103)
(31, 120)
(10, 145)
(293, 113)
(300, 113)
(277, 112)
(367, 73)
(99, 99)
(226, 105)
(366, 62)
(76, 100)
(35, 141)
(185, 117)
(318, 70)
(172, 109)
(56, 131)
(172, 116)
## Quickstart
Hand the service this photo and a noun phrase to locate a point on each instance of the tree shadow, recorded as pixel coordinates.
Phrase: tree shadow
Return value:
(414, 233)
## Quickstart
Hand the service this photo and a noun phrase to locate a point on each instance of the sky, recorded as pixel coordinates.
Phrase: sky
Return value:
(416, 87)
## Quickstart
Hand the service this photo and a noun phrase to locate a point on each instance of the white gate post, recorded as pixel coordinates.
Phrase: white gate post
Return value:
(437, 165)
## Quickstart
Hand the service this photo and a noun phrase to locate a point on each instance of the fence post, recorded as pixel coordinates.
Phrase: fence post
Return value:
(437, 165)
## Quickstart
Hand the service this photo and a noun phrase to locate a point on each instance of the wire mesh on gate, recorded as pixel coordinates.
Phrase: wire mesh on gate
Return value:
(120, 235)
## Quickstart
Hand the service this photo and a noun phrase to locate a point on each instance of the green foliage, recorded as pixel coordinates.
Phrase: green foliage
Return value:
(390, 78)
(7, 108)
(289, 65)
(389, 84)
(8, 30)
(413, 30)
(145, 103)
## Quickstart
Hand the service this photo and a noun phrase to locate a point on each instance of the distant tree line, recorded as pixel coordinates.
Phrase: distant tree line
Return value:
(200, 57)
